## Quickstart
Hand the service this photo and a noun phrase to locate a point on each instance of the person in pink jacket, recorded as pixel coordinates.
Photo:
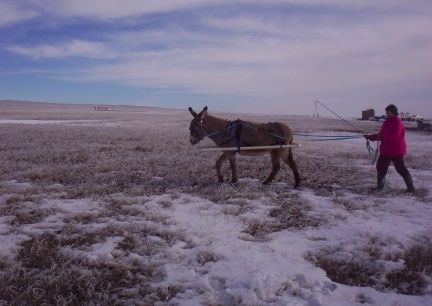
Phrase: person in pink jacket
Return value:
(392, 149)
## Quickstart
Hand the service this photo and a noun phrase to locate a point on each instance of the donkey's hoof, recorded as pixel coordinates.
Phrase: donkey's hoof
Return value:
(266, 183)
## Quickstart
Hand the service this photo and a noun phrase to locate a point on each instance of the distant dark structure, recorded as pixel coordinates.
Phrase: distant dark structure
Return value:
(366, 114)
(424, 125)
(101, 108)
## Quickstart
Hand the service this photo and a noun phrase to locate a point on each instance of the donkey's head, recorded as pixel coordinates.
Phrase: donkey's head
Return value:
(197, 126)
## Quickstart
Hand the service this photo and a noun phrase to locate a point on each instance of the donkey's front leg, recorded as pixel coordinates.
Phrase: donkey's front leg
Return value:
(233, 165)
(275, 155)
(219, 163)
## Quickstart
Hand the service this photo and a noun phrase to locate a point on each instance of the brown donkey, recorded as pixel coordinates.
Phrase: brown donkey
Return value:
(244, 134)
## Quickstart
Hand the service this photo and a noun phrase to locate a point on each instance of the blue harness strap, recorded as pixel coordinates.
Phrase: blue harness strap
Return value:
(234, 132)
(231, 132)
(265, 132)
(279, 134)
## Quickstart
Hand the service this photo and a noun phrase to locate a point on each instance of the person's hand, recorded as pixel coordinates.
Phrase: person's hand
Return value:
(368, 137)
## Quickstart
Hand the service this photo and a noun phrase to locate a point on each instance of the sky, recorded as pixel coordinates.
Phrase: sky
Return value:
(250, 56)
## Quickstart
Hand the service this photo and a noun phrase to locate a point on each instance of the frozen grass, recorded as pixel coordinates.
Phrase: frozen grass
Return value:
(367, 265)
(89, 210)
(45, 276)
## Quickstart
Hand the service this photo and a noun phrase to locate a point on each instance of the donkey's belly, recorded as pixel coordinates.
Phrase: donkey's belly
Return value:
(253, 152)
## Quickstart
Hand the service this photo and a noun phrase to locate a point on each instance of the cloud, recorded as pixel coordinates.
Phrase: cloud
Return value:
(12, 13)
(273, 51)
(74, 48)
(112, 9)
(274, 62)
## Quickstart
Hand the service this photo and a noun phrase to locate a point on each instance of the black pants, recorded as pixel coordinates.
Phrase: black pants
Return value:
(383, 164)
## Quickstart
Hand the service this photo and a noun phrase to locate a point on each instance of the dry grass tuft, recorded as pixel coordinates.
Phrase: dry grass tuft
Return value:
(364, 266)
(258, 228)
(46, 275)
(206, 256)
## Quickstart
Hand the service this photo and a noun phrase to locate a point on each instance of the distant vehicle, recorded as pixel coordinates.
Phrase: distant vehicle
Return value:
(408, 117)
(405, 116)
(416, 118)
(378, 118)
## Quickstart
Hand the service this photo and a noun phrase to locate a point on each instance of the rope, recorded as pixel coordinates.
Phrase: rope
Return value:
(326, 137)
(329, 137)
(369, 148)
(265, 132)
(338, 116)
(337, 138)
(372, 151)
(223, 130)
(376, 153)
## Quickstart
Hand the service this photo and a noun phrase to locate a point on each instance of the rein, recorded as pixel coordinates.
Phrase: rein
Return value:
(231, 126)
(327, 137)
(372, 151)
(333, 137)
(223, 130)
(369, 148)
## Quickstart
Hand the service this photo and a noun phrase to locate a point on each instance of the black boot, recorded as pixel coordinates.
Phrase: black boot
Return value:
(410, 185)
(380, 183)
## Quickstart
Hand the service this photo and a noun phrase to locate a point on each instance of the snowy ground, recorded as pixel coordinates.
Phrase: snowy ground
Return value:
(125, 190)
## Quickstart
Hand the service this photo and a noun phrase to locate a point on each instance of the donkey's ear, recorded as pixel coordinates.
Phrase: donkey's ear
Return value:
(203, 113)
(192, 112)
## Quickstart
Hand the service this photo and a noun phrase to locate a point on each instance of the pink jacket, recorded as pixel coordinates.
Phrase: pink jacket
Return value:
(392, 137)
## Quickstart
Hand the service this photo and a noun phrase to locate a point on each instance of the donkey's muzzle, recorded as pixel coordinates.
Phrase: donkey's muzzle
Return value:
(193, 140)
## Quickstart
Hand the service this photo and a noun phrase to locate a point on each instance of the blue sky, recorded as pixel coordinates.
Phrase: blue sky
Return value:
(273, 57)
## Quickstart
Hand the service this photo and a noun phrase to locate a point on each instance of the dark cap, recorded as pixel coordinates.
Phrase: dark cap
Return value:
(392, 108)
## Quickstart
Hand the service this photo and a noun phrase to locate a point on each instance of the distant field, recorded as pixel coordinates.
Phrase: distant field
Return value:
(117, 208)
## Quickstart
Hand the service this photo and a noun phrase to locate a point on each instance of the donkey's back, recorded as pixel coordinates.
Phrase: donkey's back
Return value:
(265, 134)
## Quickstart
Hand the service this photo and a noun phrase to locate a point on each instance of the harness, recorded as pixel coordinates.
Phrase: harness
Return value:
(232, 130)
(199, 123)
(277, 127)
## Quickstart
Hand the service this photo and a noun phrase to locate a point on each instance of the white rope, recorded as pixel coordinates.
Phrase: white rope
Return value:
(275, 147)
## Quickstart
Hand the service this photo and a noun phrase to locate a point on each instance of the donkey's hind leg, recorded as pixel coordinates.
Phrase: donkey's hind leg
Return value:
(275, 156)
(287, 156)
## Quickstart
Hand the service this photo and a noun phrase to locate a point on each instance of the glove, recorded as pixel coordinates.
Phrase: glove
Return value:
(368, 137)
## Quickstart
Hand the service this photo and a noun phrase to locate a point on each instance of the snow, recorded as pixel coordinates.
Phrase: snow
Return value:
(256, 273)
(29, 121)
(249, 270)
